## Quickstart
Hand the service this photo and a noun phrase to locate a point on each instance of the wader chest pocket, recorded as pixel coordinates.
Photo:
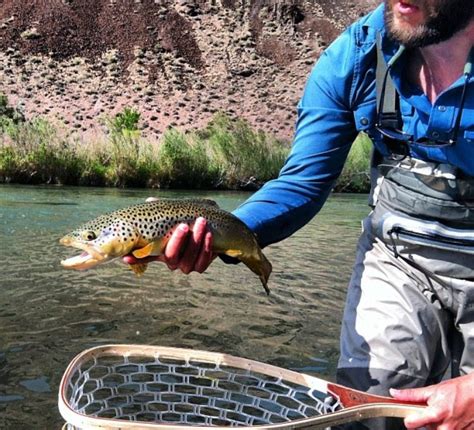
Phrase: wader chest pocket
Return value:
(398, 230)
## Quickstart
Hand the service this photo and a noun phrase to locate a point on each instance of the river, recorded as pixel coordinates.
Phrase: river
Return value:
(49, 314)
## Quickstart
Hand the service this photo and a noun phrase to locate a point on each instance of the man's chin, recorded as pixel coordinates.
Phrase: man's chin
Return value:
(428, 27)
(417, 38)
(410, 35)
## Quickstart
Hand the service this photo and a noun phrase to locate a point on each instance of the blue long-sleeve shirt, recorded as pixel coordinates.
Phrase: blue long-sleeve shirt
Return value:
(339, 100)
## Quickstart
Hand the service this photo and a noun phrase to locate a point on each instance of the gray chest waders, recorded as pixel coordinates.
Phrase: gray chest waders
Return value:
(422, 217)
(418, 209)
(428, 222)
(409, 313)
(423, 214)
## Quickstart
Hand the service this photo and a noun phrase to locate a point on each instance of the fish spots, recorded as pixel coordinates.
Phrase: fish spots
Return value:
(151, 220)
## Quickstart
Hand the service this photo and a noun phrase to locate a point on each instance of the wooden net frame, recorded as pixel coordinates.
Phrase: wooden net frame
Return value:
(152, 387)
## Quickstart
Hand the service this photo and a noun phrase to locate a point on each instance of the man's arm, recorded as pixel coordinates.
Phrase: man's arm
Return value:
(324, 134)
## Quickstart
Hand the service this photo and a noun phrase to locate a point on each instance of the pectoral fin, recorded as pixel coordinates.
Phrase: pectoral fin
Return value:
(139, 268)
(153, 248)
(143, 252)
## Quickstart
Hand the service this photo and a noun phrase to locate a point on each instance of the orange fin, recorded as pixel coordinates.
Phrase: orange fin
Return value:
(236, 253)
(153, 248)
(139, 268)
(143, 252)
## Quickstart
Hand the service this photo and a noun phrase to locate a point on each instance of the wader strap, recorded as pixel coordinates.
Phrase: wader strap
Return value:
(389, 112)
(389, 104)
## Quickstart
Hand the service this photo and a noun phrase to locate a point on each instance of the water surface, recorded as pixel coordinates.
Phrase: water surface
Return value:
(49, 314)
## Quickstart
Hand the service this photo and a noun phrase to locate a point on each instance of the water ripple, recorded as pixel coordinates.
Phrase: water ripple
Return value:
(49, 314)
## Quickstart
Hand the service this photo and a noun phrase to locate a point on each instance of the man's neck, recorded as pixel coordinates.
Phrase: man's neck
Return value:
(435, 67)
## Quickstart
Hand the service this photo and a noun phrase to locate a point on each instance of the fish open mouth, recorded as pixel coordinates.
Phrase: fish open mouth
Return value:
(78, 260)
(83, 261)
(90, 256)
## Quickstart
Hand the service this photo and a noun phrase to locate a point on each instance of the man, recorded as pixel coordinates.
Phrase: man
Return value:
(402, 74)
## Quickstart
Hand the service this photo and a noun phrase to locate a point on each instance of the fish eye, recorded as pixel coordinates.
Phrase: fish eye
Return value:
(89, 235)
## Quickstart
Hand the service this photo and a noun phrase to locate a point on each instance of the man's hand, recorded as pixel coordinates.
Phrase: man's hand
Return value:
(187, 250)
(450, 404)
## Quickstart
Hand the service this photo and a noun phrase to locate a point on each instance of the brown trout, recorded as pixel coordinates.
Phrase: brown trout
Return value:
(144, 229)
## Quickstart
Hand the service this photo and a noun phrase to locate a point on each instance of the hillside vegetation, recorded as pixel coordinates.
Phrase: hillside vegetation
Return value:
(70, 67)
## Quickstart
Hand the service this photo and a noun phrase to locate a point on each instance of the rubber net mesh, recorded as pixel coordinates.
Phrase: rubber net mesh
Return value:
(179, 391)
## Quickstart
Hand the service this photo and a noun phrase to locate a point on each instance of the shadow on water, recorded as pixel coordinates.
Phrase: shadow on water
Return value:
(48, 314)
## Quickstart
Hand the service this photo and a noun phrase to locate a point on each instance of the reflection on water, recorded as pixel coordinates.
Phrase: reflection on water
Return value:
(49, 314)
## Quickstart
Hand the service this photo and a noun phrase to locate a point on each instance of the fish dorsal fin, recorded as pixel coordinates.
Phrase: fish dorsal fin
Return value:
(196, 201)
(204, 202)
(236, 253)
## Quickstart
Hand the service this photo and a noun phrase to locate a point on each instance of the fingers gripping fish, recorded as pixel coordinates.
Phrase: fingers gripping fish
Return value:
(144, 230)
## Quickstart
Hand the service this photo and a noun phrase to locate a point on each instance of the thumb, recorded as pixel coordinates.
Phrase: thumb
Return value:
(418, 395)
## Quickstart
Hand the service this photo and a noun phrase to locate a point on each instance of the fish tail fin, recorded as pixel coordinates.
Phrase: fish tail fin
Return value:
(260, 266)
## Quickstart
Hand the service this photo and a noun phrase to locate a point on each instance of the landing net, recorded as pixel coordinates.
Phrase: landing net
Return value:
(132, 384)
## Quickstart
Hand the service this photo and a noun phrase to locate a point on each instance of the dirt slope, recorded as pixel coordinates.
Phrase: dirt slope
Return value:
(177, 62)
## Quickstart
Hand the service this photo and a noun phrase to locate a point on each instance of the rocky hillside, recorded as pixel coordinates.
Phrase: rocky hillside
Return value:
(177, 62)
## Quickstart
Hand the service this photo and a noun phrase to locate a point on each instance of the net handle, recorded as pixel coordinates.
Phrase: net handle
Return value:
(354, 413)
(357, 404)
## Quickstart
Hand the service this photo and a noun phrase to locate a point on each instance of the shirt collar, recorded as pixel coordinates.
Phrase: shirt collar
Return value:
(376, 22)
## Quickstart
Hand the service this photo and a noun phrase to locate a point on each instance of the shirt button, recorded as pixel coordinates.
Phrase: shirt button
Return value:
(364, 121)
(434, 134)
(442, 108)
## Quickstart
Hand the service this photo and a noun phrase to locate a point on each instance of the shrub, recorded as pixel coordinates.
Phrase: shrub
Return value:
(125, 121)
(355, 176)
(226, 154)
(9, 113)
(241, 155)
(184, 163)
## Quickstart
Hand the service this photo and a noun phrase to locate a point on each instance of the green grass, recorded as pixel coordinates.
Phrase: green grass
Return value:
(355, 176)
(226, 154)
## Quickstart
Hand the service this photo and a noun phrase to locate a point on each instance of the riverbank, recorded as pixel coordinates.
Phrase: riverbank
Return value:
(71, 70)
(226, 154)
(177, 62)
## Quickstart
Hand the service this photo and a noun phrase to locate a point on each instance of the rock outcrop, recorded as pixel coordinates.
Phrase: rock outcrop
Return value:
(177, 62)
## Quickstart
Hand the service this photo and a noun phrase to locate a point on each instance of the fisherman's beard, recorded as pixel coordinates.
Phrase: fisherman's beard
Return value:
(444, 19)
